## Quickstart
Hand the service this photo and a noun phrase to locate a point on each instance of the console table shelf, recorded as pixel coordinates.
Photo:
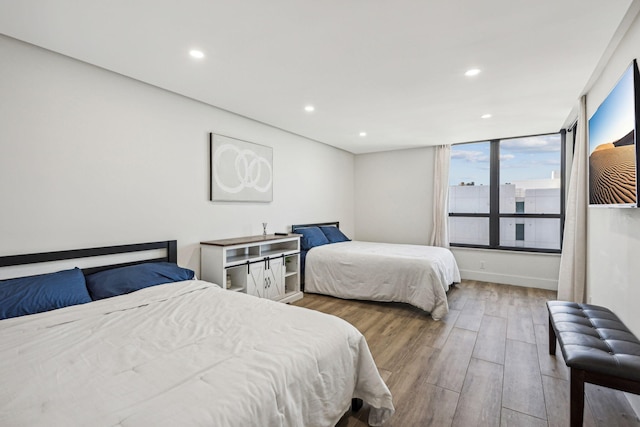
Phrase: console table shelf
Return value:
(263, 266)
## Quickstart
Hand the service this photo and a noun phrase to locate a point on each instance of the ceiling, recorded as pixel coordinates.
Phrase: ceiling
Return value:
(393, 69)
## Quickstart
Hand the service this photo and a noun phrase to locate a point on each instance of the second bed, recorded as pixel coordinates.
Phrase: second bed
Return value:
(414, 274)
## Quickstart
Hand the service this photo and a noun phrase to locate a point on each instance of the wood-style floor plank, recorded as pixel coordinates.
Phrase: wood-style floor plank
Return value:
(520, 324)
(471, 315)
(607, 404)
(549, 365)
(556, 396)
(436, 333)
(539, 312)
(451, 366)
(428, 405)
(486, 363)
(405, 378)
(492, 339)
(481, 397)
(457, 297)
(556, 400)
(391, 348)
(522, 390)
(512, 418)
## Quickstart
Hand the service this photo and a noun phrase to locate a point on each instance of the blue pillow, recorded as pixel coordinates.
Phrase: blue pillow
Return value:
(44, 292)
(334, 235)
(311, 237)
(122, 280)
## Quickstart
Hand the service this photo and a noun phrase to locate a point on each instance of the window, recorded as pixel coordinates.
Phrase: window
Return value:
(507, 193)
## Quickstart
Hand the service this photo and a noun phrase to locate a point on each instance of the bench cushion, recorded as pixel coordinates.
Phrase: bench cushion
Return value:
(592, 338)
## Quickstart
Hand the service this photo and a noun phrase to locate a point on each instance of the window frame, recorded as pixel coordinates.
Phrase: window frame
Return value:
(494, 214)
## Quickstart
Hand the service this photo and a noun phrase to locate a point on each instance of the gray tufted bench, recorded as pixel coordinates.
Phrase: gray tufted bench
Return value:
(597, 347)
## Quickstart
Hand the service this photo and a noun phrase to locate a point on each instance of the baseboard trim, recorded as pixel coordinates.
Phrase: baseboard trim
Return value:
(529, 282)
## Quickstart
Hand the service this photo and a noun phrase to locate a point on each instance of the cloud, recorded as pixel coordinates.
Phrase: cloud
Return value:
(542, 143)
(524, 164)
(470, 156)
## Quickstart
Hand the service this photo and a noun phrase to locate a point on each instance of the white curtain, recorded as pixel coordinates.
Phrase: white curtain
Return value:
(440, 233)
(573, 262)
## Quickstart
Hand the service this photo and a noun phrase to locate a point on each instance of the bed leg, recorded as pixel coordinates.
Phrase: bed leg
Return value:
(356, 404)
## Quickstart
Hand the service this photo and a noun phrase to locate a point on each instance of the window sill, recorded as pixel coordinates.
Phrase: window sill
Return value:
(532, 251)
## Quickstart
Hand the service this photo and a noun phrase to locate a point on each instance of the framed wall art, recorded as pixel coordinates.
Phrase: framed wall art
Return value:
(240, 171)
(613, 152)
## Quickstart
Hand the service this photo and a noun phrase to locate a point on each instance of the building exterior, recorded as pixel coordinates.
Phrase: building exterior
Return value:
(520, 197)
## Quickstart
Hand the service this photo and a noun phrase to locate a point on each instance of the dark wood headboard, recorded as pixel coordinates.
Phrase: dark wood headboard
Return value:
(169, 247)
(296, 226)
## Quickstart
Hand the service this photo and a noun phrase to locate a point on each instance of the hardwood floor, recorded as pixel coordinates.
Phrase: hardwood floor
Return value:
(485, 364)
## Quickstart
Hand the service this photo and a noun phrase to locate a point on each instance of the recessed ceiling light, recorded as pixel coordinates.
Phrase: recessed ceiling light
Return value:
(472, 72)
(363, 134)
(485, 116)
(198, 54)
(309, 108)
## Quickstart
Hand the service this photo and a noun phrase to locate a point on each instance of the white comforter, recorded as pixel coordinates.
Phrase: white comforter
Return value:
(418, 275)
(184, 354)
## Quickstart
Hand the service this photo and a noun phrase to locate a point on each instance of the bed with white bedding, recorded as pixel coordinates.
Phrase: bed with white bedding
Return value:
(185, 353)
(414, 274)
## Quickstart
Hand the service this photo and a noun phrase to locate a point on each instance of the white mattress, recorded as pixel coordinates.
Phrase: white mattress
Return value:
(185, 354)
(414, 274)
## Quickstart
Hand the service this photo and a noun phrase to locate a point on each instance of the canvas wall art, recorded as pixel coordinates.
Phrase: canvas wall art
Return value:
(240, 171)
(612, 145)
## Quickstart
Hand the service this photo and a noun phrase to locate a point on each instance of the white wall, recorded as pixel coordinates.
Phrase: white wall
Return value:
(534, 270)
(90, 158)
(614, 234)
(394, 190)
(393, 193)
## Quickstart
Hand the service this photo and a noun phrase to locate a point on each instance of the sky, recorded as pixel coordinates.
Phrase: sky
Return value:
(615, 117)
(526, 158)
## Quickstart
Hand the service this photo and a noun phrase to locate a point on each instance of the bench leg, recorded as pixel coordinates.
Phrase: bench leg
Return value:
(552, 338)
(577, 397)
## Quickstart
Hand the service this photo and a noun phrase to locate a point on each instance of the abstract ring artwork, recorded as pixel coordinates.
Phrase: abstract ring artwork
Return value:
(240, 171)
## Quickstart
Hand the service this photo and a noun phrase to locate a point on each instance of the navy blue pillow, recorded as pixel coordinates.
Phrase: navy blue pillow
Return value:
(311, 237)
(334, 235)
(44, 292)
(122, 280)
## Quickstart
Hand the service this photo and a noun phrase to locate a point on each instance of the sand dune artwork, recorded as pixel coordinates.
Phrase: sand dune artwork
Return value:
(612, 172)
(612, 145)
